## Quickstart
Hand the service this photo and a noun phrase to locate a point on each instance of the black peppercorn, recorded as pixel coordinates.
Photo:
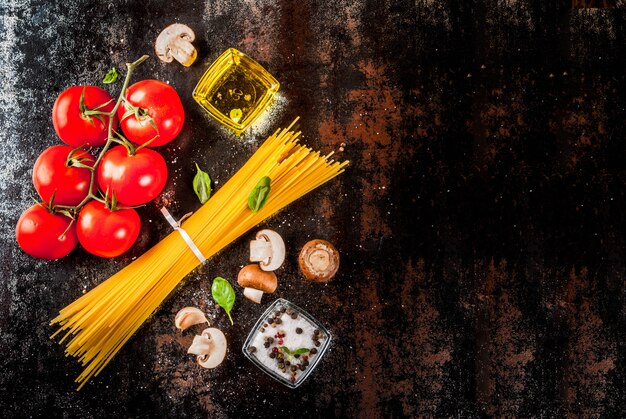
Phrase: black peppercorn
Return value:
(317, 343)
(283, 309)
(305, 363)
(302, 367)
(278, 321)
(313, 351)
(270, 320)
(266, 344)
(252, 349)
(287, 363)
(294, 315)
(298, 330)
(270, 339)
(272, 355)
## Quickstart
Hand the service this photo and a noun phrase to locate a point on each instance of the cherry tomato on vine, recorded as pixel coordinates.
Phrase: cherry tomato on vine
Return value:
(104, 232)
(71, 120)
(150, 104)
(40, 233)
(56, 172)
(134, 179)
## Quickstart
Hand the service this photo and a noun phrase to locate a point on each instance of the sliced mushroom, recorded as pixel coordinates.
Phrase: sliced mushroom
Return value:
(256, 281)
(319, 260)
(175, 43)
(268, 249)
(209, 347)
(188, 317)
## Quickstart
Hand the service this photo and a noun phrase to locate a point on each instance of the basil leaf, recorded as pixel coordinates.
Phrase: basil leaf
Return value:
(202, 185)
(296, 352)
(111, 76)
(260, 193)
(224, 295)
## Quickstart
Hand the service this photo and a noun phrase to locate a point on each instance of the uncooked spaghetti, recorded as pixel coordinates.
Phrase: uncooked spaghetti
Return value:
(98, 324)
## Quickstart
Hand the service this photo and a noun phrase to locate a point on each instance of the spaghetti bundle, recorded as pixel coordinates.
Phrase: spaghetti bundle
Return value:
(98, 324)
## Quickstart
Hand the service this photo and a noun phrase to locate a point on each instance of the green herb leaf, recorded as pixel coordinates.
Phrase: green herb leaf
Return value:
(260, 193)
(111, 76)
(202, 185)
(224, 295)
(295, 352)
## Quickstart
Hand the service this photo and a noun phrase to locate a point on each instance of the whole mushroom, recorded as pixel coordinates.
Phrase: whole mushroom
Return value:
(319, 260)
(256, 281)
(209, 347)
(175, 43)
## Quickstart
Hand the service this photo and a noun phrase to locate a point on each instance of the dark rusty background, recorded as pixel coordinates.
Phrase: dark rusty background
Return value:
(481, 222)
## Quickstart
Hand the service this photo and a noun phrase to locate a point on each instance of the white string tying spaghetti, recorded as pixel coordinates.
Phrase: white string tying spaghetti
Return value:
(176, 226)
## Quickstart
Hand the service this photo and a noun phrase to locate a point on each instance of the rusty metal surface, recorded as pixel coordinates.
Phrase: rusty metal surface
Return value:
(481, 222)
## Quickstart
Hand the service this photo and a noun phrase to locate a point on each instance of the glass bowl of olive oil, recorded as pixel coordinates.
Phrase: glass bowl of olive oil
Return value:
(235, 90)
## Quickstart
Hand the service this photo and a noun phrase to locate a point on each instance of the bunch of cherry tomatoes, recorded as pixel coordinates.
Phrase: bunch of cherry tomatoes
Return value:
(90, 199)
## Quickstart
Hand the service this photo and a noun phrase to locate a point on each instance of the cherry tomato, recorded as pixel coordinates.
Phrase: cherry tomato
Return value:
(152, 99)
(40, 233)
(135, 179)
(107, 233)
(73, 126)
(53, 175)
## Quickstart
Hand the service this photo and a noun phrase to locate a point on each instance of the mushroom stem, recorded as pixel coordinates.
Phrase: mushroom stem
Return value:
(183, 51)
(201, 345)
(260, 250)
(253, 294)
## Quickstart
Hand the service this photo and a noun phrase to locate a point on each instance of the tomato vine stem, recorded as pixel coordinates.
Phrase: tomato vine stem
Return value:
(110, 139)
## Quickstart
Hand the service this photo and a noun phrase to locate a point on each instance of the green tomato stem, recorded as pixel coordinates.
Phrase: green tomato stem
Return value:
(110, 138)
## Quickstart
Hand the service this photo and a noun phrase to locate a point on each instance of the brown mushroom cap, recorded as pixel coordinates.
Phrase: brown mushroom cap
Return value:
(252, 276)
(319, 260)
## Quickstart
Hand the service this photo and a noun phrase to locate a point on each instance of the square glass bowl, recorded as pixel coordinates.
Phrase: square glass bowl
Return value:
(291, 318)
(235, 90)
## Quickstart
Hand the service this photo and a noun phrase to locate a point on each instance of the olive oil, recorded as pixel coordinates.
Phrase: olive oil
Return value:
(235, 90)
